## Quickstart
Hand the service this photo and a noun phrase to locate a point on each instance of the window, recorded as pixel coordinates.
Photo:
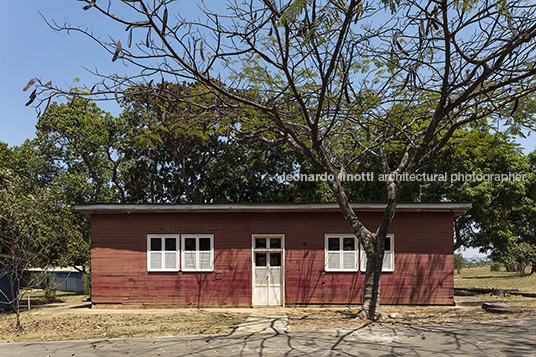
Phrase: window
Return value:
(268, 243)
(388, 256)
(197, 252)
(341, 253)
(163, 252)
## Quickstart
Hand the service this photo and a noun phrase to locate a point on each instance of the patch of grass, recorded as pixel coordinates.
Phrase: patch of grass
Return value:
(37, 297)
(483, 278)
(41, 325)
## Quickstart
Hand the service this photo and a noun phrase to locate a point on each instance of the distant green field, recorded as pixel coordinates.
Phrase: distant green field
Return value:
(483, 278)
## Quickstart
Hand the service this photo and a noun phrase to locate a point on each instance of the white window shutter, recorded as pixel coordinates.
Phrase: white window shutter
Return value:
(388, 261)
(348, 260)
(388, 264)
(340, 253)
(198, 257)
(155, 262)
(189, 260)
(170, 260)
(389, 255)
(161, 259)
(362, 259)
(205, 260)
(333, 261)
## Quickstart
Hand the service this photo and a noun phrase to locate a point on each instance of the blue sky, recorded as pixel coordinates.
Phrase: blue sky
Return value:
(30, 48)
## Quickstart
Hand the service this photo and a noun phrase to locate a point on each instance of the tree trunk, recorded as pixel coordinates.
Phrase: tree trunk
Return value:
(373, 243)
(18, 326)
(371, 293)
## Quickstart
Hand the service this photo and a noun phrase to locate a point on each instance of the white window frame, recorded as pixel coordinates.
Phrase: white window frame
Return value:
(197, 253)
(163, 252)
(268, 236)
(388, 257)
(341, 252)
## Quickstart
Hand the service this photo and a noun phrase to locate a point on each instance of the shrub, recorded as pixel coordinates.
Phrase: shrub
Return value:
(87, 283)
(496, 266)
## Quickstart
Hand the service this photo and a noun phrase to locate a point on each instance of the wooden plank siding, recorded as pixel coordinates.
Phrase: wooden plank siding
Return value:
(423, 272)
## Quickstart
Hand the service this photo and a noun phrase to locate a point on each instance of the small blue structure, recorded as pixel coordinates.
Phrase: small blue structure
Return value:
(62, 279)
(5, 291)
(67, 281)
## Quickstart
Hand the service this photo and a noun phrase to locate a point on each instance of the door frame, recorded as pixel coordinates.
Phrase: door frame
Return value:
(282, 250)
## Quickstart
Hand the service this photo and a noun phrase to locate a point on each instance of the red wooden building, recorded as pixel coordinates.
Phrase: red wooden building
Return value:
(265, 254)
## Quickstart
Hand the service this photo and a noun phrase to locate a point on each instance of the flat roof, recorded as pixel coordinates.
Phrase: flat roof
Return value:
(109, 208)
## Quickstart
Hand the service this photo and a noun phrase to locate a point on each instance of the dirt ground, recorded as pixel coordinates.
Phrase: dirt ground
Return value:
(307, 319)
(66, 324)
(40, 325)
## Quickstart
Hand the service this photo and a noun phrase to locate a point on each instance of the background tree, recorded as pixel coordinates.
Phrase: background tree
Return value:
(498, 207)
(79, 149)
(72, 161)
(181, 153)
(519, 256)
(340, 81)
(28, 166)
(459, 262)
(32, 232)
(528, 233)
(503, 212)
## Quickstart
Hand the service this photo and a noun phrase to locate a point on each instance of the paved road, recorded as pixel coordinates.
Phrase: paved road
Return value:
(515, 337)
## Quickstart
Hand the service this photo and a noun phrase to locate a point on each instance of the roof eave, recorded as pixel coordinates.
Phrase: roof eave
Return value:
(112, 208)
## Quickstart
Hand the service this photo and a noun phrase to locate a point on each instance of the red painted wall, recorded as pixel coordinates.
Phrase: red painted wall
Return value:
(423, 259)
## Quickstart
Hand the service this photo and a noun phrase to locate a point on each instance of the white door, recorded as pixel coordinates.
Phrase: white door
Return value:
(268, 271)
